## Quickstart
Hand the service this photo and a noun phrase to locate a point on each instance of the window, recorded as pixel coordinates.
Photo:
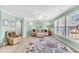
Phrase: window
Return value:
(59, 26)
(72, 26)
(56, 26)
(62, 26)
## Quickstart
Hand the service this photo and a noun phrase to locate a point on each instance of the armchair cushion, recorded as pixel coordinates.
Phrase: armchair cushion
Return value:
(13, 34)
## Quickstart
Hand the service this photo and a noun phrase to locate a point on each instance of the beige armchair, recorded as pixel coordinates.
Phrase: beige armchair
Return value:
(13, 38)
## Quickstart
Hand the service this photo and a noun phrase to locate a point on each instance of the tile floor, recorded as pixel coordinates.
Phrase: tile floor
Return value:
(18, 48)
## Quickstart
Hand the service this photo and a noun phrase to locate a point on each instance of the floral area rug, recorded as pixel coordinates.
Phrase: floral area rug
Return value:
(47, 45)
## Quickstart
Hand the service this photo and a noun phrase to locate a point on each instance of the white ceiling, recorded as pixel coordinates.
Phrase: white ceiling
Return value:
(34, 12)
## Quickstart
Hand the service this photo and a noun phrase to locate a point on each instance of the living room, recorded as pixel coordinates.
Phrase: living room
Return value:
(26, 29)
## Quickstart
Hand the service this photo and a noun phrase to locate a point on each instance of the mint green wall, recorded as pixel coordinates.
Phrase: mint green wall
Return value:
(5, 16)
(29, 29)
(40, 25)
(25, 28)
(0, 28)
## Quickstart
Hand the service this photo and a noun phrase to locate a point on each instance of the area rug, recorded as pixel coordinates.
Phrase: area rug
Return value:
(47, 45)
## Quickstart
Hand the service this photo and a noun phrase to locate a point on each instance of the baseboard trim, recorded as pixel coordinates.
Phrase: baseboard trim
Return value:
(4, 44)
(1, 45)
(69, 43)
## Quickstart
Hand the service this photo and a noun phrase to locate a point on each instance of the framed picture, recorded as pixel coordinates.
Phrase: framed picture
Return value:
(12, 23)
(6, 22)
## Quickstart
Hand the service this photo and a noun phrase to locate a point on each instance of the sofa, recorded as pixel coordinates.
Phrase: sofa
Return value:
(39, 32)
(13, 37)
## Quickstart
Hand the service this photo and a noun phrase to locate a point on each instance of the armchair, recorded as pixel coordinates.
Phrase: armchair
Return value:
(13, 38)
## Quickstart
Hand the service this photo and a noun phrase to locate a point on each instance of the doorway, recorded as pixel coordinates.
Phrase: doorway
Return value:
(19, 27)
